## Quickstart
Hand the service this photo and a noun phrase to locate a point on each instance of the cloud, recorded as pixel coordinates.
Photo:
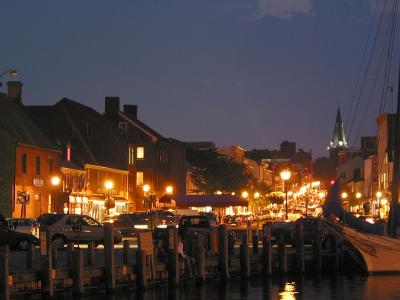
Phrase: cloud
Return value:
(283, 8)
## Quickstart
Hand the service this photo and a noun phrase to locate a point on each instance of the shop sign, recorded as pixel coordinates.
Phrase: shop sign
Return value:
(22, 198)
(38, 182)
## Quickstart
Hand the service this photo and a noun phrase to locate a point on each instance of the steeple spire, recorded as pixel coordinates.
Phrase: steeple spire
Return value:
(338, 139)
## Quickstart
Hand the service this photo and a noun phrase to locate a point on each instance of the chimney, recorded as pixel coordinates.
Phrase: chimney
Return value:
(131, 110)
(15, 90)
(111, 106)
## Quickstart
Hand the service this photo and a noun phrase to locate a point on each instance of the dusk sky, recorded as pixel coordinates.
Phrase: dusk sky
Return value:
(246, 72)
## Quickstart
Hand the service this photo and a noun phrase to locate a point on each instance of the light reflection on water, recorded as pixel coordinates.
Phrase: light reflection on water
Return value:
(299, 288)
(289, 292)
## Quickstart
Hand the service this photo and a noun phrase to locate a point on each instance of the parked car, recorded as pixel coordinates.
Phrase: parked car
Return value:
(282, 228)
(128, 224)
(24, 225)
(16, 240)
(196, 224)
(75, 228)
(161, 218)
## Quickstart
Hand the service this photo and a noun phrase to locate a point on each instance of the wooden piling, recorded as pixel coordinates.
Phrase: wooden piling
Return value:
(317, 255)
(29, 256)
(267, 249)
(46, 260)
(299, 248)
(70, 248)
(200, 258)
(255, 240)
(140, 270)
(249, 232)
(90, 253)
(125, 255)
(340, 252)
(223, 252)
(77, 272)
(244, 257)
(4, 272)
(173, 262)
(282, 254)
(54, 256)
(109, 257)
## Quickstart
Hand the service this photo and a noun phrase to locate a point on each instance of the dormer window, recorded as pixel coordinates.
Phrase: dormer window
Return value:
(123, 126)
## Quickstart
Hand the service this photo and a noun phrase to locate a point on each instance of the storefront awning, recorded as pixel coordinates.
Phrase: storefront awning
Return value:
(184, 201)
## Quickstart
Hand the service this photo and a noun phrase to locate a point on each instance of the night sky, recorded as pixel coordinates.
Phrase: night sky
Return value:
(247, 72)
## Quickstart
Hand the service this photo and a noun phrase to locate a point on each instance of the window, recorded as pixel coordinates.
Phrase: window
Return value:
(139, 178)
(131, 156)
(37, 165)
(162, 156)
(140, 153)
(123, 126)
(89, 222)
(87, 129)
(23, 162)
(51, 165)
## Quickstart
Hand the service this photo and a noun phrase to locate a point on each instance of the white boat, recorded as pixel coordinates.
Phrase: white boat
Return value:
(380, 254)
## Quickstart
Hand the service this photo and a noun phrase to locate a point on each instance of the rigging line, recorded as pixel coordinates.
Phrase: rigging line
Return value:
(367, 69)
(387, 48)
(381, 56)
(394, 27)
(390, 57)
(362, 61)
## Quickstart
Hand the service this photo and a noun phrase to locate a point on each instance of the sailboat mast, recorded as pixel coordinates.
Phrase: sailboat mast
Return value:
(393, 218)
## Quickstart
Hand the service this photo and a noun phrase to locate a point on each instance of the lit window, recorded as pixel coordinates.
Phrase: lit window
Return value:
(139, 178)
(131, 156)
(140, 153)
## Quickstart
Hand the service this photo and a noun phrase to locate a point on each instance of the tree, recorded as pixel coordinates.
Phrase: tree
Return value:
(259, 154)
(212, 172)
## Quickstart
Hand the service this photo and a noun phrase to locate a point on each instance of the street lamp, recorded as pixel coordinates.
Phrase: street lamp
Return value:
(379, 195)
(108, 185)
(285, 176)
(146, 189)
(169, 189)
(344, 195)
(245, 194)
(55, 181)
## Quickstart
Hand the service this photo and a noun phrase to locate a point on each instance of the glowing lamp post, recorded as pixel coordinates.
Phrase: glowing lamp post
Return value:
(108, 185)
(55, 182)
(378, 196)
(146, 190)
(169, 190)
(285, 176)
(245, 194)
(256, 203)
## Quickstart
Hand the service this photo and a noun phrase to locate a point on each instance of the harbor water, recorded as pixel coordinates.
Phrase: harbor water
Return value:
(285, 288)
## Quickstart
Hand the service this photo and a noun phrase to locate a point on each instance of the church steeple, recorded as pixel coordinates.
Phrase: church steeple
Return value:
(338, 139)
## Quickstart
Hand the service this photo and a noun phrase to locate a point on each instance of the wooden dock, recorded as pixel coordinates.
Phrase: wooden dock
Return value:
(215, 256)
